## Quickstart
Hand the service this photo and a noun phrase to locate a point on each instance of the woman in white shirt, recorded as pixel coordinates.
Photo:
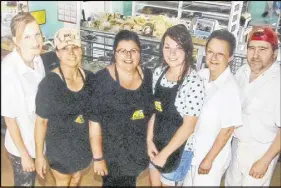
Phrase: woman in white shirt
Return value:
(21, 71)
(221, 113)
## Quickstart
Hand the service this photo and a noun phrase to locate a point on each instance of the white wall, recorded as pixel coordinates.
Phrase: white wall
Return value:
(92, 7)
(78, 17)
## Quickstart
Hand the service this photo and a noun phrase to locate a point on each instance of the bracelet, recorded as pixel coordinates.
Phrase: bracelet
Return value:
(98, 159)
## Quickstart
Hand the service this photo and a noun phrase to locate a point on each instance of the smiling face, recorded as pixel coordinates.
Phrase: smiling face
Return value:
(127, 55)
(260, 56)
(173, 53)
(30, 43)
(217, 55)
(70, 55)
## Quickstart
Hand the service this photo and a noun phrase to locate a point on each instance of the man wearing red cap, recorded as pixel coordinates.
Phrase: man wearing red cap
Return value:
(256, 144)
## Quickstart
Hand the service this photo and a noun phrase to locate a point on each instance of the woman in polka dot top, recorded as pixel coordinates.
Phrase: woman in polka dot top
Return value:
(179, 94)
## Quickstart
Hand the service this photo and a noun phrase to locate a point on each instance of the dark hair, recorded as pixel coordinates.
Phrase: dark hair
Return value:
(181, 35)
(125, 35)
(225, 35)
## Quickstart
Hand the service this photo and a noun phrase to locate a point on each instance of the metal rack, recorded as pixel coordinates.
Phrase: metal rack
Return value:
(227, 13)
(98, 52)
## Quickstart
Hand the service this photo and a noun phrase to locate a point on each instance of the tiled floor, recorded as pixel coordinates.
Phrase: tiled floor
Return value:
(89, 179)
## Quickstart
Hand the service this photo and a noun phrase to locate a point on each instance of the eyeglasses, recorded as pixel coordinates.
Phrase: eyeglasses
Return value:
(124, 52)
(211, 54)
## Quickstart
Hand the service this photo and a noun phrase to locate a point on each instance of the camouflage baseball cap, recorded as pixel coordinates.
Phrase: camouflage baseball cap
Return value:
(66, 36)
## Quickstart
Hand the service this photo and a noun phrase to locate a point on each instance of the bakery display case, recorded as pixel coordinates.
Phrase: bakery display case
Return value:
(98, 51)
(227, 13)
(167, 8)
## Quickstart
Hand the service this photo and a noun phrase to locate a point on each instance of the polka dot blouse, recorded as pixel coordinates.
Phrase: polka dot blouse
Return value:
(189, 99)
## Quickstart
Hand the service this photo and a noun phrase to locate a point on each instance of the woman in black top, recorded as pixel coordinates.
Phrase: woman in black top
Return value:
(61, 105)
(121, 109)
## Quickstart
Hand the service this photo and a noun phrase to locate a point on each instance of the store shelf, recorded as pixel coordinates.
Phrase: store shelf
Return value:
(172, 5)
(227, 13)
(100, 48)
(150, 48)
(92, 41)
(219, 3)
(214, 15)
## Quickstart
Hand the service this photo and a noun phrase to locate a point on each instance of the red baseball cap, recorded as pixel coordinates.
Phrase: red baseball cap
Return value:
(264, 34)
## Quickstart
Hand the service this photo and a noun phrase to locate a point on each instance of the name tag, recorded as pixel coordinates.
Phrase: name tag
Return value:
(158, 106)
(79, 119)
(138, 114)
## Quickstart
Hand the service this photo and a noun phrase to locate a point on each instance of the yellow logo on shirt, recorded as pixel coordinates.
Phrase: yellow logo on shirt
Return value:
(158, 106)
(79, 119)
(138, 114)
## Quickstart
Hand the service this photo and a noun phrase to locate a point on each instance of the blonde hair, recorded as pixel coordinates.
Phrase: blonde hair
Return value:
(19, 23)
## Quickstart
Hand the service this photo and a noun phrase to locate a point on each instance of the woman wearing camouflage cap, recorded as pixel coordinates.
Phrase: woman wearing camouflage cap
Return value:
(61, 105)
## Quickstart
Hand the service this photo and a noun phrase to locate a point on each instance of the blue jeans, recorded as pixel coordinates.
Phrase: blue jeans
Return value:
(179, 174)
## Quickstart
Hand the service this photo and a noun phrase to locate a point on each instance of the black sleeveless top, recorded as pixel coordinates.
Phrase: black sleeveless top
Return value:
(123, 115)
(67, 138)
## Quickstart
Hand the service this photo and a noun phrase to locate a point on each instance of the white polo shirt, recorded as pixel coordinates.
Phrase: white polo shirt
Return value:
(19, 85)
(221, 109)
(260, 105)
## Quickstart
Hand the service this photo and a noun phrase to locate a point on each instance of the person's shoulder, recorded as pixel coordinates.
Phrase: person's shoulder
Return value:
(89, 74)
(276, 69)
(231, 86)
(102, 78)
(9, 65)
(203, 73)
(50, 80)
(241, 69)
(158, 70)
(147, 72)
(193, 77)
(101, 74)
(10, 58)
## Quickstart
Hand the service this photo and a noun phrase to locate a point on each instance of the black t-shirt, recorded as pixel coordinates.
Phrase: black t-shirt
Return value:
(119, 112)
(67, 137)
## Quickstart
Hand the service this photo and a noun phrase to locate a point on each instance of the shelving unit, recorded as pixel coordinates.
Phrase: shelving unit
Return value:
(160, 7)
(227, 13)
(98, 52)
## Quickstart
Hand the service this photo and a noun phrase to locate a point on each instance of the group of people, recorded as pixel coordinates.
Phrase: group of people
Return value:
(189, 128)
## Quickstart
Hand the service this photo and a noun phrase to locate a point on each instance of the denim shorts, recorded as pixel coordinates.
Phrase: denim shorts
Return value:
(176, 177)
